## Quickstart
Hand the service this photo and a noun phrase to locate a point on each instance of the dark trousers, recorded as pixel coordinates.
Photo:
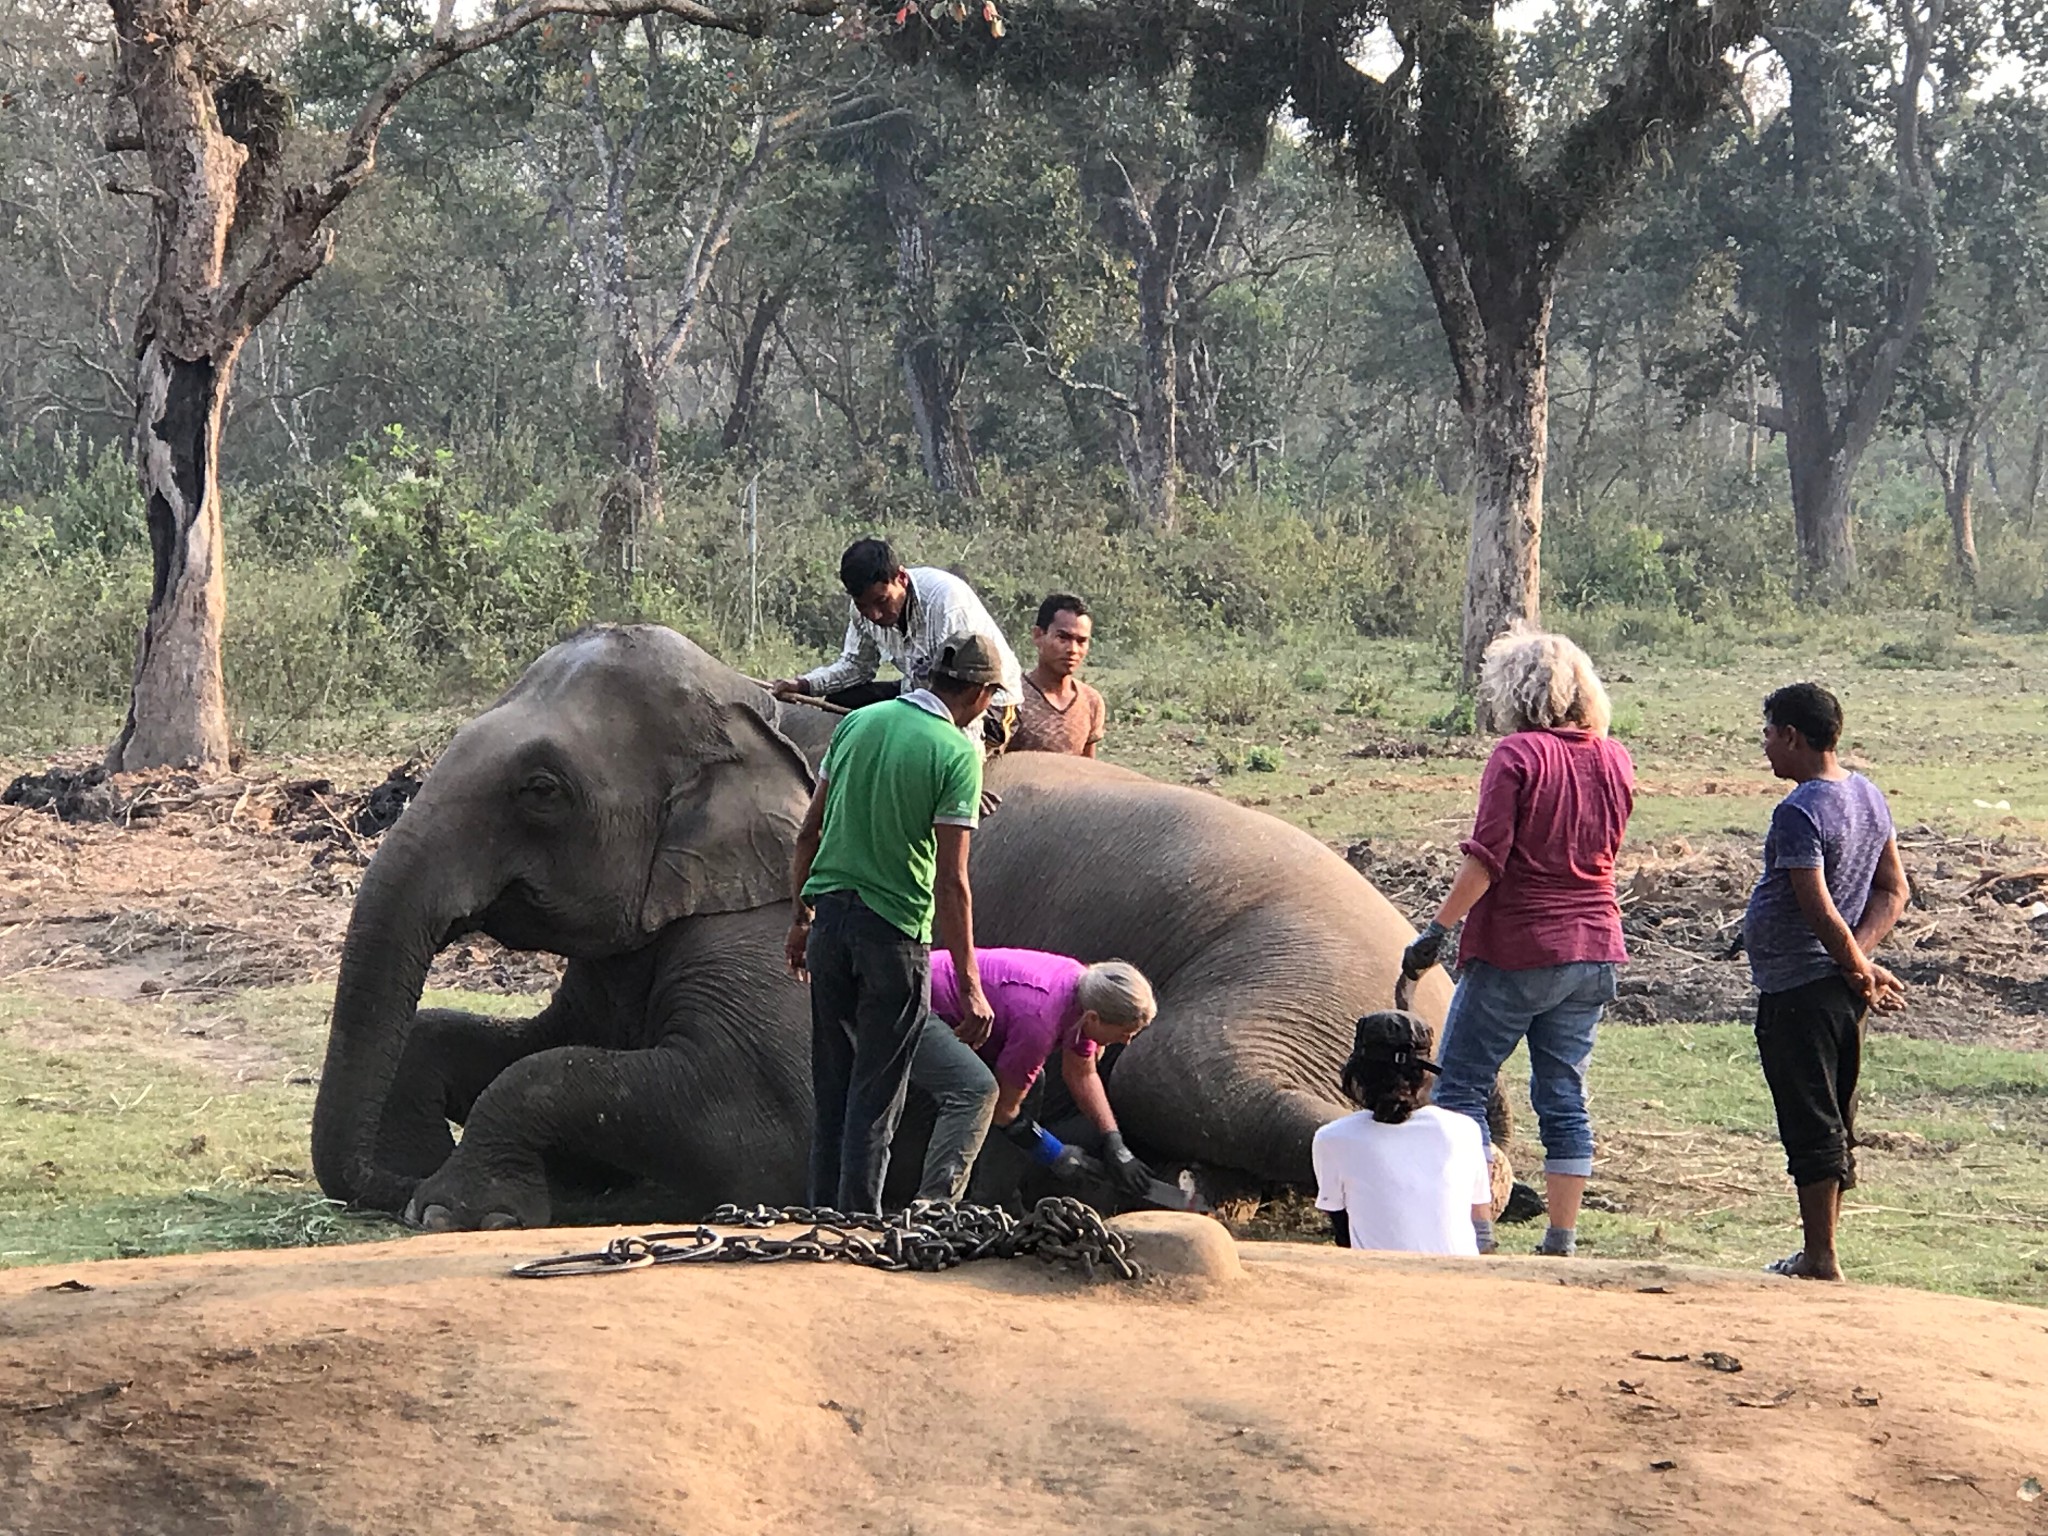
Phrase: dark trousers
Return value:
(861, 695)
(1810, 1040)
(870, 991)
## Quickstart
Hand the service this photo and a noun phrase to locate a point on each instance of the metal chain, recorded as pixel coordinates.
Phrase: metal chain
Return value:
(928, 1237)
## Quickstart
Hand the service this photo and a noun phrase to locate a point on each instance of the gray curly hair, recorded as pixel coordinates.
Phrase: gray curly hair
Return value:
(1117, 993)
(1533, 681)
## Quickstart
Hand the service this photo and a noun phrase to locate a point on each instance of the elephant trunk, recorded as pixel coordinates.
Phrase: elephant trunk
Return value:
(408, 905)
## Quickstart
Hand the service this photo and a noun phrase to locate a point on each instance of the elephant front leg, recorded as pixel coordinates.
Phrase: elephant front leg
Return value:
(649, 1114)
(450, 1058)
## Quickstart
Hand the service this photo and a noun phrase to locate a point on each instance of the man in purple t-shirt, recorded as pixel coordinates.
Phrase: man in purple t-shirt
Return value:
(1042, 1003)
(1832, 887)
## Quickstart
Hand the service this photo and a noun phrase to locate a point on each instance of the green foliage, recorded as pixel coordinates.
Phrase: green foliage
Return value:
(438, 581)
(1238, 693)
(1935, 648)
(1264, 759)
(1367, 694)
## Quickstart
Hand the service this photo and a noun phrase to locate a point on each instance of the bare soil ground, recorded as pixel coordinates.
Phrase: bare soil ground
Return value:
(150, 885)
(172, 886)
(411, 1386)
(1972, 947)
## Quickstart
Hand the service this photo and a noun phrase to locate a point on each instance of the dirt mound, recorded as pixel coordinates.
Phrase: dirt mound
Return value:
(1972, 947)
(411, 1386)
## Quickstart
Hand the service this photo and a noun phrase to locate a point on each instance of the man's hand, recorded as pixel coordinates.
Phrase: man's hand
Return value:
(794, 947)
(1420, 955)
(1125, 1171)
(1882, 991)
(979, 1021)
(789, 688)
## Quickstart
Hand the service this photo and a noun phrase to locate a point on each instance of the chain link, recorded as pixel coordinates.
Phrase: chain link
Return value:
(928, 1237)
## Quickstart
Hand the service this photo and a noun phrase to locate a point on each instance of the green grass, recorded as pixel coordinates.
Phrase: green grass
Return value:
(112, 1146)
(1954, 1196)
(1941, 738)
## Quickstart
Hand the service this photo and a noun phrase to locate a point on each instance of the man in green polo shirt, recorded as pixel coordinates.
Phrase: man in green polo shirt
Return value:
(882, 850)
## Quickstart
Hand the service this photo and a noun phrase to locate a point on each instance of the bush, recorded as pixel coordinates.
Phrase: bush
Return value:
(1238, 693)
(438, 581)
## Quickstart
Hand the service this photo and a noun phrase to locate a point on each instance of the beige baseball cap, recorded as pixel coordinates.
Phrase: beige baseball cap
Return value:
(969, 658)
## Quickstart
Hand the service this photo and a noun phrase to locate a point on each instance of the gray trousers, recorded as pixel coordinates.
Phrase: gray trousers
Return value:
(964, 1090)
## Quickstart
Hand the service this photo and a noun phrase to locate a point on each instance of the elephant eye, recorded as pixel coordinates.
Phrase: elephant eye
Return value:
(542, 789)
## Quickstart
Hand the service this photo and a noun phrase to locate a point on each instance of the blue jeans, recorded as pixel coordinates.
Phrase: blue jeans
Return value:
(1557, 1008)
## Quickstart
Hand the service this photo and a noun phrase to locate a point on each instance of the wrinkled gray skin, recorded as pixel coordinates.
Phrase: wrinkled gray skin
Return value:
(630, 804)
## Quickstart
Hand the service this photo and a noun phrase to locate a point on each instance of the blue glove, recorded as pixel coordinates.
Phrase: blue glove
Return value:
(1035, 1141)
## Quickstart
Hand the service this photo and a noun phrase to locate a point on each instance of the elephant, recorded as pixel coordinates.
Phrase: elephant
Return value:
(630, 803)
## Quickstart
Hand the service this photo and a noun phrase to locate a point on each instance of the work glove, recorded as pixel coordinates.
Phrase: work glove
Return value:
(1420, 955)
(1035, 1141)
(1073, 1166)
(1125, 1171)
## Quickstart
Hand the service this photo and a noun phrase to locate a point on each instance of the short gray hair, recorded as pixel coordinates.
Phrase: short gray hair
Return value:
(1532, 681)
(1116, 992)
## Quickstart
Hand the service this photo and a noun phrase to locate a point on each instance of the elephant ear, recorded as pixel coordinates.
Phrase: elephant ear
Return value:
(729, 823)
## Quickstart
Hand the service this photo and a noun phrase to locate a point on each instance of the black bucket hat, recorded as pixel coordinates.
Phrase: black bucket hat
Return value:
(1395, 1036)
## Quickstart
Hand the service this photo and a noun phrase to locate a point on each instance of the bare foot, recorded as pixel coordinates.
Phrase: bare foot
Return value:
(1800, 1267)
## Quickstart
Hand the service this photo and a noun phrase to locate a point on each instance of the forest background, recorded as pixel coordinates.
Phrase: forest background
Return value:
(648, 320)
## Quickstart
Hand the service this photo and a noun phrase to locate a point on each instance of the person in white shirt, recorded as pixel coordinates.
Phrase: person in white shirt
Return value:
(901, 615)
(1401, 1174)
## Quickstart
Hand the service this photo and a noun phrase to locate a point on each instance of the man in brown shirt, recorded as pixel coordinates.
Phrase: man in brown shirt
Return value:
(1059, 712)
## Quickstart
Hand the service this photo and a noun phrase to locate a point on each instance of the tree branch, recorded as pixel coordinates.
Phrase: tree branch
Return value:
(1071, 385)
(299, 244)
(1755, 413)
(1865, 409)
(1675, 78)
(711, 240)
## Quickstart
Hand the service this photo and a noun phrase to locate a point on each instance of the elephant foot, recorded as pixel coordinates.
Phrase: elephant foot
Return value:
(447, 1203)
(439, 1218)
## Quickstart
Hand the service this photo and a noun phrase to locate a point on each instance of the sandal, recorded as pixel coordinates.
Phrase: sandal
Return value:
(1792, 1265)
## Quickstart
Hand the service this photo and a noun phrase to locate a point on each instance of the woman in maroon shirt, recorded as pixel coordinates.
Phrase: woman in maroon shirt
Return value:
(1544, 932)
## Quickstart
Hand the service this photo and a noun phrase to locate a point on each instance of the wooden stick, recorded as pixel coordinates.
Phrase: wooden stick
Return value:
(802, 698)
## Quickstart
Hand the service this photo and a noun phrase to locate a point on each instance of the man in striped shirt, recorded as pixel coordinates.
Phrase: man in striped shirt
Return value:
(902, 615)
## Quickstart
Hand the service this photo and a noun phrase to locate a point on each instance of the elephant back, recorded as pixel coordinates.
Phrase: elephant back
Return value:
(1094, 860)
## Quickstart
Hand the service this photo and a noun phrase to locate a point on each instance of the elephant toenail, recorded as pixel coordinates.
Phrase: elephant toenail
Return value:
(437, 1218)
(501, 1221)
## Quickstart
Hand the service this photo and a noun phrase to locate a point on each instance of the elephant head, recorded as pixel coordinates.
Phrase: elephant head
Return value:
(625, 782)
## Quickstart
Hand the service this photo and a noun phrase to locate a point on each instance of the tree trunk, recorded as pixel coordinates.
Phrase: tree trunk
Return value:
(755, 359)
(1820, 515)
(1201, 430)
(1510, 427)
(633, 497)
(1957, 486)
(1819, 468)
(928, 381)
(186, 346)
(2037, 464)
(177, 711)
(1157, 451)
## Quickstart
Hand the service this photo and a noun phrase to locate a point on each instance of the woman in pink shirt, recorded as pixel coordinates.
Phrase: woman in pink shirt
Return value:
(1543, 934)
(1043, 1003)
